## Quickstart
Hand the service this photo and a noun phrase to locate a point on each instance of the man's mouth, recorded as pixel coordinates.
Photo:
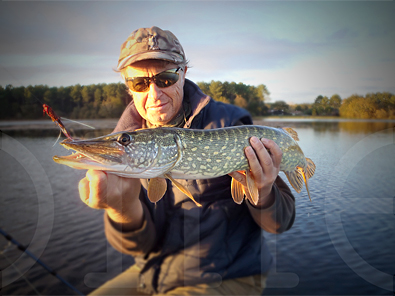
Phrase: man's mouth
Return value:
(158, 106)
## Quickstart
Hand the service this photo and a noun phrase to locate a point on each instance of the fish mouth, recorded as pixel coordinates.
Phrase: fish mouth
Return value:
(98, 155)
(75, 157)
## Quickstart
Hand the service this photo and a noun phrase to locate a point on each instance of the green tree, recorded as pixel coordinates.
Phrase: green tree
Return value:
(75, 95)
(335, 101)
(280, 106)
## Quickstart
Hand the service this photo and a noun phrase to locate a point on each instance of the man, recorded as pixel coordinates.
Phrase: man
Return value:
(179, 248)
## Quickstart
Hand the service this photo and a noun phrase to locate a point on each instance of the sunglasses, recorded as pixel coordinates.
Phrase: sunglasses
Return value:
(163, 79)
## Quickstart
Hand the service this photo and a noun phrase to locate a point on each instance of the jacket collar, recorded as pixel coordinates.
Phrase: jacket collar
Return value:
(197, 99)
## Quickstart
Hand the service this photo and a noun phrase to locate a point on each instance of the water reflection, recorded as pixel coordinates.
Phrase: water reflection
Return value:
(334, 126)
(363, 203)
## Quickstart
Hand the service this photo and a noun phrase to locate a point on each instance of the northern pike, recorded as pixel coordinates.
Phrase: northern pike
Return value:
(178, 153)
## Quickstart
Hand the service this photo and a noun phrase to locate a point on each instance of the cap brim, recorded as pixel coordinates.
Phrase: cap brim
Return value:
(150, 55)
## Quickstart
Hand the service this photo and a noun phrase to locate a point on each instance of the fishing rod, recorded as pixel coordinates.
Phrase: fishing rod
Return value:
(31, 255)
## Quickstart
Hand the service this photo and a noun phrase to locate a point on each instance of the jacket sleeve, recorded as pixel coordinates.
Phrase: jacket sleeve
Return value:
(136, 243)
(280, 216)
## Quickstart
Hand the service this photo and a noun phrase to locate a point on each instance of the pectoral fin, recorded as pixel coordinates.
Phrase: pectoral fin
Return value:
(182, 189)
(254, 193)
(237, 191)
(156, 189)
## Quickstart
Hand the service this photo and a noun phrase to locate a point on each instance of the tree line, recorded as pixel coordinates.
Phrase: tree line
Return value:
(245, 96)
(373, 105)
(109, 100)
(380, 105)
(88, 101)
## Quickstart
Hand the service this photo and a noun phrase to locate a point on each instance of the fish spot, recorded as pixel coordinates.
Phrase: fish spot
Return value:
(194, 149)
(206, 147)
(203, 167)
(216, 152)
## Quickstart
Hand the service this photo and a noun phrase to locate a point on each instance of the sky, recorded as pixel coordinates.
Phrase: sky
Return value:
(298, 49)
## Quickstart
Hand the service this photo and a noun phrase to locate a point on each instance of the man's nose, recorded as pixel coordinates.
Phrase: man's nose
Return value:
(153, 91)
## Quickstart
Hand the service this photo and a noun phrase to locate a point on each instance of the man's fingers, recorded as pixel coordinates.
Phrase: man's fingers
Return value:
(93, 189)
(83, 188)
(96, 176)
(275, 151)
(239, 177)
(258, 159)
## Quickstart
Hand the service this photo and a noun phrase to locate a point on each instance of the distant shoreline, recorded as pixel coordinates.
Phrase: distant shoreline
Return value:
(47, 124)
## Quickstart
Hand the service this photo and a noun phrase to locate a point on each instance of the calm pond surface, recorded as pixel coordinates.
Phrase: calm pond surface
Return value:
(342, 243)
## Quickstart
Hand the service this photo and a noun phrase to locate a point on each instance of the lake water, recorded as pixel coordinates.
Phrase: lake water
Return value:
(342, 243)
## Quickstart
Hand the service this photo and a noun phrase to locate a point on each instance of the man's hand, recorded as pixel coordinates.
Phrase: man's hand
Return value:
(118, 196)
(264, 158)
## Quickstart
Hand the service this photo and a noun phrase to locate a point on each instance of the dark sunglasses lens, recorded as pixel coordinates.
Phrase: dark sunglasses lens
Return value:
(166, 79)
(138, 84)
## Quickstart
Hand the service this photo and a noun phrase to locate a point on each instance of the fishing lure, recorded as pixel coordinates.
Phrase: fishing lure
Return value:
(55, 118)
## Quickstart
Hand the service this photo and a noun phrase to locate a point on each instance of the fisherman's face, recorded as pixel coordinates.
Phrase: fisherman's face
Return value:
(156, 105)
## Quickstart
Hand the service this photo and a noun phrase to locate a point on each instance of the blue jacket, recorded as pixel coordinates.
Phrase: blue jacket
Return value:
(181, 244)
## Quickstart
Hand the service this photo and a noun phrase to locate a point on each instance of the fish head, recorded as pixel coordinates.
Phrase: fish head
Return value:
(102, 153)
(139, 154)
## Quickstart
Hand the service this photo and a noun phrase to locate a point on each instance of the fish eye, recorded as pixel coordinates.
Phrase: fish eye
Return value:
(124, 139)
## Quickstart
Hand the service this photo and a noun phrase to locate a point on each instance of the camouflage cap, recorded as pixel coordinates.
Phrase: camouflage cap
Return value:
(150, 43)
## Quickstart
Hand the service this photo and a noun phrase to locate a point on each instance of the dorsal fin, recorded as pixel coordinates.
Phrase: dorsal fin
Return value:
(292, 133)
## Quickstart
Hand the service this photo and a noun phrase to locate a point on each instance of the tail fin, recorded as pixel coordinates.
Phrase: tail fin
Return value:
(310, 168)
